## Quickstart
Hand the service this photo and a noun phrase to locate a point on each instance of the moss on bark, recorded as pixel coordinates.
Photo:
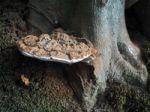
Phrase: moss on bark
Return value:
(49, 90)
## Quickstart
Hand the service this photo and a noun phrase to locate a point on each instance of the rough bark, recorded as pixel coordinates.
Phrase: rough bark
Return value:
(101, 22)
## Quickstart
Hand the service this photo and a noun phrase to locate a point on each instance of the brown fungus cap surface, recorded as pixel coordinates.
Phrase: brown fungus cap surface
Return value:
(58, 46)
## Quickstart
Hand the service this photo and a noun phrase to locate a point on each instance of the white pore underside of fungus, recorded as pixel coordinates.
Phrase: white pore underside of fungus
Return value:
(57, 47)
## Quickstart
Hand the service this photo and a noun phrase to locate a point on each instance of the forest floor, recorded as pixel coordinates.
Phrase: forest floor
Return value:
(48, 89)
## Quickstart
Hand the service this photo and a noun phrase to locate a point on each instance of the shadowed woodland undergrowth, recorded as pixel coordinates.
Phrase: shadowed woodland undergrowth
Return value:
(49, 90)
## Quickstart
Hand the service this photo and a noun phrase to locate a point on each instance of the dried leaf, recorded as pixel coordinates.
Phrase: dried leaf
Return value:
(25, 80)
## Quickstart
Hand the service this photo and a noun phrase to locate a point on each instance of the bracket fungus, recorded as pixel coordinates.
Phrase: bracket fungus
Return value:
(57, 47)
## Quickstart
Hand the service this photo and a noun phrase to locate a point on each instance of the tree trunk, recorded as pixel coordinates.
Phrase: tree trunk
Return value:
(118, 59)
(102, 22)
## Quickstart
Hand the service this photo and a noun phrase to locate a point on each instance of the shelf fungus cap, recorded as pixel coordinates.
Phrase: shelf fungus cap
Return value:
(57, 47)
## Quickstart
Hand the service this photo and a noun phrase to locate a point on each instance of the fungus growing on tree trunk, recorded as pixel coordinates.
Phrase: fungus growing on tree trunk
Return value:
(103, 23)
(57, 47)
